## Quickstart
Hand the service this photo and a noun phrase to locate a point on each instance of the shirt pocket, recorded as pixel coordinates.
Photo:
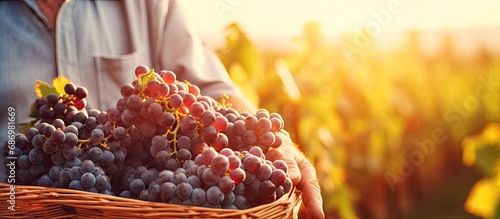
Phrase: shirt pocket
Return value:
(112, 72)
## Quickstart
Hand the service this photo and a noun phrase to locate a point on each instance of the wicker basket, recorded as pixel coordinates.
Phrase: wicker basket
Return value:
(44, 202)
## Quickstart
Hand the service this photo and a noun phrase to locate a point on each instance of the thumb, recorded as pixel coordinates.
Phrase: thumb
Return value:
(311, 192)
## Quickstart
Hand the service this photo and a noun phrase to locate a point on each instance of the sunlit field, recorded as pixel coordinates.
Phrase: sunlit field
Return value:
(399, 124)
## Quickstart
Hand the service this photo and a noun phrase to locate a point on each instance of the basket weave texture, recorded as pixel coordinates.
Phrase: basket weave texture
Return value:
(46, 202)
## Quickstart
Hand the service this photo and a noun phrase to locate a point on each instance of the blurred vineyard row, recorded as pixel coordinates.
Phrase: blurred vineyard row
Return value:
(385, 129)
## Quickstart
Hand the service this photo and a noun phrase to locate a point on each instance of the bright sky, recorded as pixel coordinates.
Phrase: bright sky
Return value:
(277, 20)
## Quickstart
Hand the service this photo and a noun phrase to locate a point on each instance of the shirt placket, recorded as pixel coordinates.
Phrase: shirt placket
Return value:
(66, 46)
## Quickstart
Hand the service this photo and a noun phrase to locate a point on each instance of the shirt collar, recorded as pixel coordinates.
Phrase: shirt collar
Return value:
(34, 6)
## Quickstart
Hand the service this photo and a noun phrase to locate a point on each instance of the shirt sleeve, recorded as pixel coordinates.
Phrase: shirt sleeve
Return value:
(182, 51)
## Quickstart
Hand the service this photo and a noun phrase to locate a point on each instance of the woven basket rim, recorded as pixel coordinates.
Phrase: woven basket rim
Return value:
(54, 199)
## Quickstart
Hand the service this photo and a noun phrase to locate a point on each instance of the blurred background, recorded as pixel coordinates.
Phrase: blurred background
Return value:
(397, 103)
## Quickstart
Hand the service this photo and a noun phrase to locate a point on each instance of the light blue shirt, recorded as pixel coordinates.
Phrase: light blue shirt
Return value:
(98, 44)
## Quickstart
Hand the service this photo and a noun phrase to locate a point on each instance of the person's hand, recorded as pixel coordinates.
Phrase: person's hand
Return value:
(303, 175)
(300, 170)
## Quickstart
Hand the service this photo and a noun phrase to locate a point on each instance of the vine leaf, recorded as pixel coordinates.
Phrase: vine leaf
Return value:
(58, 83)
(43, 89)
(144, 79)
(33, 111)
(26, 126)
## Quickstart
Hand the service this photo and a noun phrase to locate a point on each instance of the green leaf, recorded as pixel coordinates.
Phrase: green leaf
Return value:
(497, 210)
(144, 79)
(34, 112)
(26, 126)
(43, 89)
(58, 83)
(487, 158)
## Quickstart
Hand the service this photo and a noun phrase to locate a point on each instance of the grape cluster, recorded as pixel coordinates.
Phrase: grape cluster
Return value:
(60, 155)
(226, 179)
(64, 105)
(163, 141)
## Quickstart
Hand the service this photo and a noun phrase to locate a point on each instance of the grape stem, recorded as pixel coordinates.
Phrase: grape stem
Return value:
(223, 101)
(174, 132)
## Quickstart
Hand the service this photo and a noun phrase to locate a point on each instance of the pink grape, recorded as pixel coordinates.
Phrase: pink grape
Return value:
(153, 86)
(231, 117)
(207, 117)
(188, 99)
(215, 195)
(278, 177)
(239, 127)
(238, 175)
(253, 164)
(166, 119)
(188, 125)
(220, 123)
(209, 177)
(249, 137)
(195, 90)
(199, 196)
(277, 141)
(234, 162)
(282, 165)
(267, 139)
(134, 102)
(155, 110)
(158, 143)
(196, 109)
(184, 154)
(162, 90)
(208, 155)
(126, 90)
(251, 122)
(256, 151)
(226, 151)
(226, 184)
(184, 142)
(208, 134)
(220, 164)
(169, 77)
(141, 69)
(265, 172)
(264, 124)
(220, 142)
(175, 101)
(267, 188)
(198, 146)
(276, 124)
(262, 113)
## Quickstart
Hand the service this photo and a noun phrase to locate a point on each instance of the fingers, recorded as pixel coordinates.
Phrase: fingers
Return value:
(289, 158)
(302, 211)
(303, 175)
(311, 192)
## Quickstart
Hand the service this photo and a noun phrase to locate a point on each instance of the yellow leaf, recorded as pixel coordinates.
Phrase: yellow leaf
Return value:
(43, 89)
(469, 151)
(488, 136)
(483, 197)
(58, 83)
(491, 133)
(144, 79)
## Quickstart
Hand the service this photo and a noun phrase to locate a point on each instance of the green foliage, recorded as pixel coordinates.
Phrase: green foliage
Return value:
(488, 158)
(375, 114)
(144, 79)
(43, 89)
(483, 151)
